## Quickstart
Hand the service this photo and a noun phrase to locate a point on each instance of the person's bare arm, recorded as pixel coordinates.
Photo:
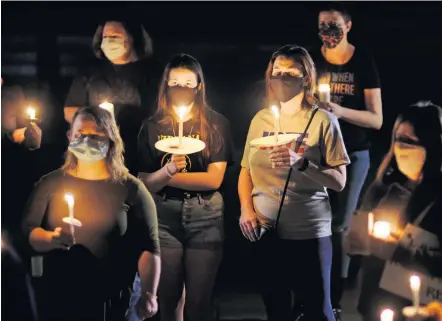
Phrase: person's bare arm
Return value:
(248, 220)
(202, 181)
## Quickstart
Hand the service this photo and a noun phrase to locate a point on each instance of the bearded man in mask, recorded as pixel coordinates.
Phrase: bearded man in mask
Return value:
(355, 99)
(126, 77)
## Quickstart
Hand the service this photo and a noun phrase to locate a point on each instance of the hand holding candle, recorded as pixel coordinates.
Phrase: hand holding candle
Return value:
(324, 93)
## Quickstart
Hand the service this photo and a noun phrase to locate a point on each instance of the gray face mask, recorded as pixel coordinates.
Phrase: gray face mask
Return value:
(89, 148)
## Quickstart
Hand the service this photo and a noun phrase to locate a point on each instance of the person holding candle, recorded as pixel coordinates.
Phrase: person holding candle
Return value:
(124, 80)
(189, 204)
(118, 234)
(304, 227)
(349, 87)
(408, 184)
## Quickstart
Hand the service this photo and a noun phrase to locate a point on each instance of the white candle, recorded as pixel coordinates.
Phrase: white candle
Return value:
(181, 114)
(415, 285)
(370, 223)
(70, 200)
(381, 230)
(31, 113)
(387, 315)
(324, 93)
(109, 107)
(275, 111)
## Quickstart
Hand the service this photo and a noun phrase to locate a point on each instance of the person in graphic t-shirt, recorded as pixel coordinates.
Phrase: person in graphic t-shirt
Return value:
(190, 208)
(125, 75)
(92, 266)
(356, 102)
(297, 256)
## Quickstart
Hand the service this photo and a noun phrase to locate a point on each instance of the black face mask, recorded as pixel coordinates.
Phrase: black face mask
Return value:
(286, 87)
(331, 34)
(178, 95)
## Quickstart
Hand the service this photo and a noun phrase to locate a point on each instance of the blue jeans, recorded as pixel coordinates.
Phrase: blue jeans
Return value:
(301, 266)
(344, 205)
(191, 233)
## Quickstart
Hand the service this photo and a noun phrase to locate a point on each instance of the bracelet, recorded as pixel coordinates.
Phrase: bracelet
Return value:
(149, 294)
(304, 165)
(167, 172)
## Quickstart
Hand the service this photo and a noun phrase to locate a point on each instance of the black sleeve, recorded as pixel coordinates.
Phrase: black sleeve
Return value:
(36, 207)
(146, 152)
(370, 76)
(146, 213)
(224, 152)
(77, 95)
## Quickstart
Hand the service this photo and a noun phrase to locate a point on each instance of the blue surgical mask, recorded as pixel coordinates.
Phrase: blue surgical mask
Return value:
(89, 148)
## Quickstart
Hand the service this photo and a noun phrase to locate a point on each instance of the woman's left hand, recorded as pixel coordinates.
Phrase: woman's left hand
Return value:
(284, 157)
(147, 306)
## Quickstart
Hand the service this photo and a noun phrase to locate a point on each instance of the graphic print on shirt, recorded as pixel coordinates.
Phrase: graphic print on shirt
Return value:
(303, 143)
(341, 84)
(167, 158)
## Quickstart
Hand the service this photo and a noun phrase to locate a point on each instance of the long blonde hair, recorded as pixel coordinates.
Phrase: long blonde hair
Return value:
(114, 159)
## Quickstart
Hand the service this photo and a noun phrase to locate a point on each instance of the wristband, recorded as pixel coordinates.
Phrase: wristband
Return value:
(304, 165)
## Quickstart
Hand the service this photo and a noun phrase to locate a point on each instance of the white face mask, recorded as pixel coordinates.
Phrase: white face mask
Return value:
(113, 48)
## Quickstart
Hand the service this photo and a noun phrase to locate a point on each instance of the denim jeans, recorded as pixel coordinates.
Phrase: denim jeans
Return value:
(301, 266)
(344, 204)
(193, 223)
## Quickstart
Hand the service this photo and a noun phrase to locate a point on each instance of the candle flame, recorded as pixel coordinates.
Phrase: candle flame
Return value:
(275, 111)
(106, 105)
(324, 88)
(387, 315)
(381, 230)
(69, 199)
(182, 111)
(31, 113)
(415, 283)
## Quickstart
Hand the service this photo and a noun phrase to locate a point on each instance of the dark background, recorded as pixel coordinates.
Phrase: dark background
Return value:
(43, 44)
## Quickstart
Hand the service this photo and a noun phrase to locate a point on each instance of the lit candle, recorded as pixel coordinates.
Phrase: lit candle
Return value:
(31, 113)
(387, 315)
(415, 285)
(381, 230)
(275, 111)
(109, 107)
(69, 198)
(324, 93)
(181, 114)
(370, 223)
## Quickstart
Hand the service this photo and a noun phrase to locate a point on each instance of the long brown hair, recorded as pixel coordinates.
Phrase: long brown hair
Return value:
(114, 158)
(300, 55)
(209, 133)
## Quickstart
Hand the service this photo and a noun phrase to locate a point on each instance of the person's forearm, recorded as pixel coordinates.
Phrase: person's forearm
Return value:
(39, 240)
(362, 118)
(149, 269)
(156, 181)
(69, 113)
(245, 187)
(202, 181)
(330, 178)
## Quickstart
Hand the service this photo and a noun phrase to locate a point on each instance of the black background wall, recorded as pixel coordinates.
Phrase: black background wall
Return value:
(43, 43)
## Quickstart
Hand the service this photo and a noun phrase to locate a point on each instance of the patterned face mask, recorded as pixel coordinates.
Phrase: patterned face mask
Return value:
(89, 148)
(331, 34)
(113, 48)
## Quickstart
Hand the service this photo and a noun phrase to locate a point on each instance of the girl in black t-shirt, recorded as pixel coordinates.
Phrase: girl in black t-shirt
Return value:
(190, 208)
(124, 74)
(355, 99)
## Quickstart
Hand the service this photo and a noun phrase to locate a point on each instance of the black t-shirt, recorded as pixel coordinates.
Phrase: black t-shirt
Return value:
(132, 88)
(151, 159)
(347, 83)
(119, 222)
